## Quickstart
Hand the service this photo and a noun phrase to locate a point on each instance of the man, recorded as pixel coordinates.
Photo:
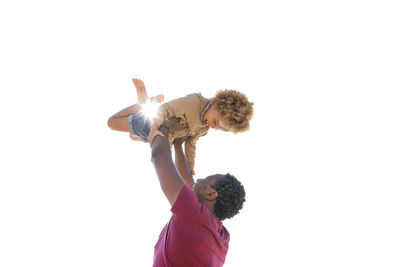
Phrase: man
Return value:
(194, 236)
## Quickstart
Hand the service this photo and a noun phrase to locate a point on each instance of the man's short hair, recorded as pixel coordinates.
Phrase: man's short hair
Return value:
(231, 196)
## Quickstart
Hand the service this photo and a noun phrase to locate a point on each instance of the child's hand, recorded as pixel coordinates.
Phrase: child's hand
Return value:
(191, 166)
(153, 133)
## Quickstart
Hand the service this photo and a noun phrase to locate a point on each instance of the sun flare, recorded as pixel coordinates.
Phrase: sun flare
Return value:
(150, 109)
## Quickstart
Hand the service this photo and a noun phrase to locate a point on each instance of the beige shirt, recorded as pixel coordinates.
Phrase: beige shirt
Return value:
(189, 110)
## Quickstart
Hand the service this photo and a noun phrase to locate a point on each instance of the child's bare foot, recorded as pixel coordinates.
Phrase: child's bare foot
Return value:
(157, 99)
(135, 138)
(141, 90)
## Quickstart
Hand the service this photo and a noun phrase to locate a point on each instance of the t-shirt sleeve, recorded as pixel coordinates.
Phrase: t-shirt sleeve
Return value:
(187, 204)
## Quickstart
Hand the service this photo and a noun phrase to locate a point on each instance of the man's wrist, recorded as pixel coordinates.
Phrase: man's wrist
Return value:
(154, 127)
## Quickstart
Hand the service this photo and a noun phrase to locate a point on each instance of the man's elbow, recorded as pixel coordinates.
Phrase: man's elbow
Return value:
(155, 153)
(158, 149)
(160, 145)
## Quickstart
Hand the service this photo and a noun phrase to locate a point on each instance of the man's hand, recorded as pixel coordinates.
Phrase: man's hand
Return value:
(153, 133)
(173, 124)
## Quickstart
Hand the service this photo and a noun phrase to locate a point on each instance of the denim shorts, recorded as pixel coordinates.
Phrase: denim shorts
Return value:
(139, 125)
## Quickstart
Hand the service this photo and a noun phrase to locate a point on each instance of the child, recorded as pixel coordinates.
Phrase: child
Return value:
(228, 110)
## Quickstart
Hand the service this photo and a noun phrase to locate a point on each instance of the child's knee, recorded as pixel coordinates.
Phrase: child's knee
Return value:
(110, 123)
(118, 124)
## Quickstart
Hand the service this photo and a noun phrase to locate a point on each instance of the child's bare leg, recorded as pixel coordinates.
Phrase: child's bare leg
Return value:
(135, 108)
(157, 99)
(135, 138)
(119, 121)
(142, 93)
(141, 90)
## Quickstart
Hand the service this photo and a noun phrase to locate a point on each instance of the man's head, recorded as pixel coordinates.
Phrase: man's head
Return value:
(235, 110)
(224, 195)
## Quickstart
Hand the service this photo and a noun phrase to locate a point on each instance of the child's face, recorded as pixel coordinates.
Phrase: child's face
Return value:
(213, 118)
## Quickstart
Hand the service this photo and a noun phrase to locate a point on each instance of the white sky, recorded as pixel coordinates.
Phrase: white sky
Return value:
(320, 164)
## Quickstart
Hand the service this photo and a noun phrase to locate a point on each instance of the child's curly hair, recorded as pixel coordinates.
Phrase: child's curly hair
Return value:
(235, 108)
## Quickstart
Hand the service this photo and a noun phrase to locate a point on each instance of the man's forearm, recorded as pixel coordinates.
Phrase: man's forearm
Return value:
(183, 166)
(162, 146)
(170, 180)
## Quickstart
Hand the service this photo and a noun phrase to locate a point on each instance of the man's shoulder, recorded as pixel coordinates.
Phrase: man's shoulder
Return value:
(186, 194)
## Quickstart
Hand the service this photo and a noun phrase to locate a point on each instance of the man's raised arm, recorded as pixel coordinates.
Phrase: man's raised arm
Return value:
(170, 180)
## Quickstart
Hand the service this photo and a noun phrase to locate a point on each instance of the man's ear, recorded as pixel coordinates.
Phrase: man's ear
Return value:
(212, 195)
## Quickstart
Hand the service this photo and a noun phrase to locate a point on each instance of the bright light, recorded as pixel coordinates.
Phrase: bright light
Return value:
(150, 109)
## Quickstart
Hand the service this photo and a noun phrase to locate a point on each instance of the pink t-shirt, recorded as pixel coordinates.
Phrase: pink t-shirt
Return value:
(192, 237)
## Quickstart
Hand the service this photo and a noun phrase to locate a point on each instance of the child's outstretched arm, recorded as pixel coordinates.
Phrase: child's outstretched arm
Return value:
(190, 152)
(182, 164)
